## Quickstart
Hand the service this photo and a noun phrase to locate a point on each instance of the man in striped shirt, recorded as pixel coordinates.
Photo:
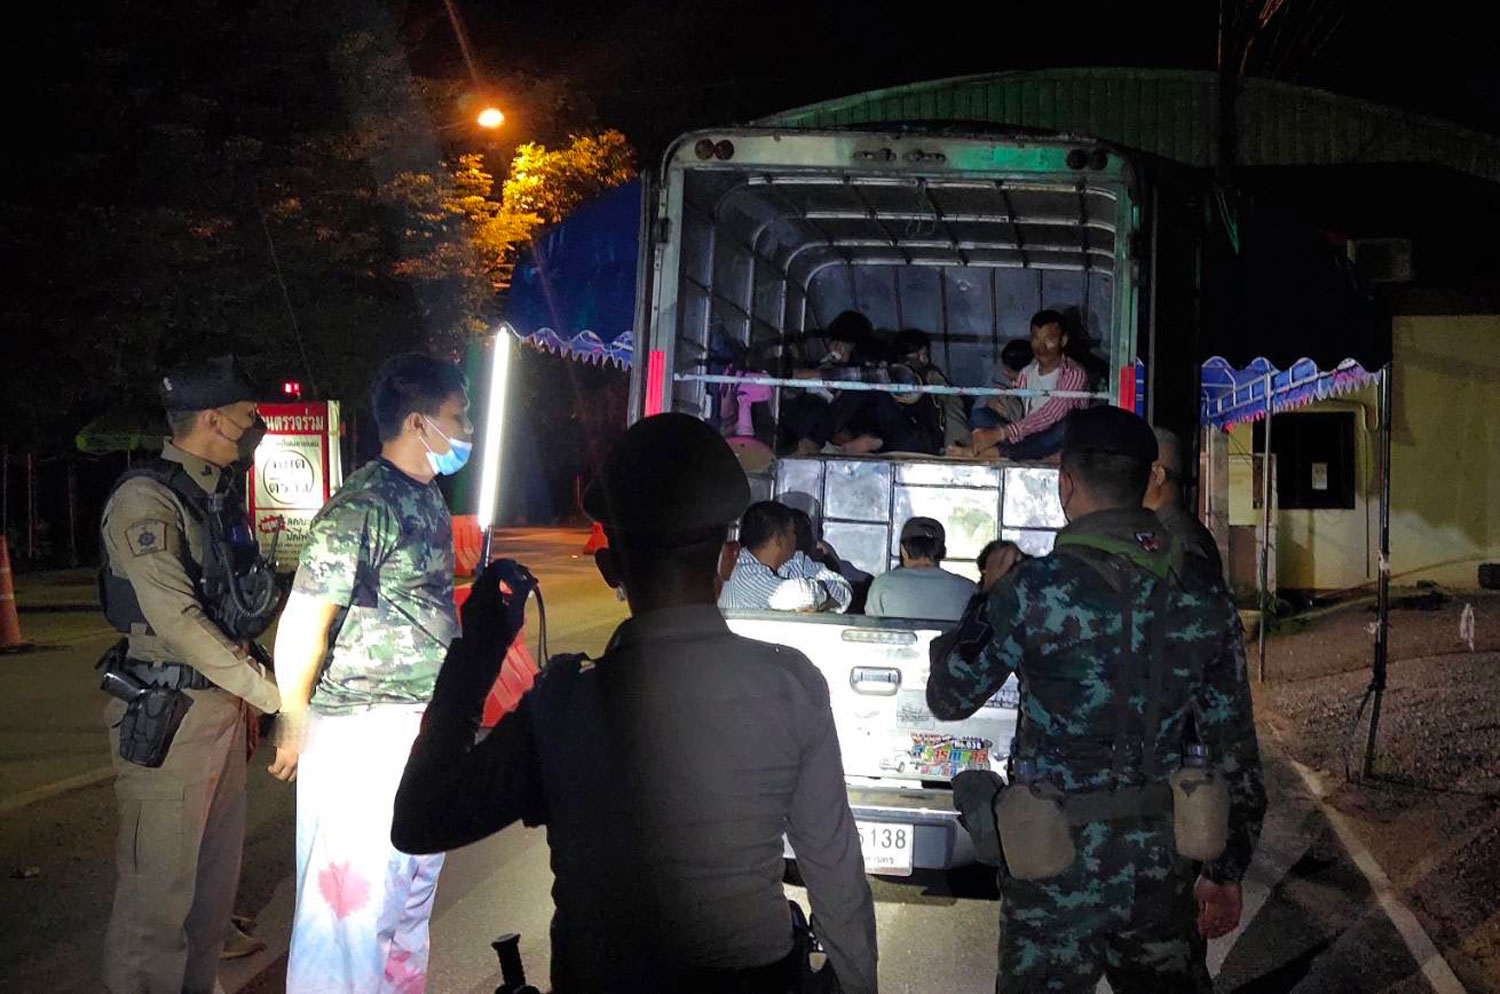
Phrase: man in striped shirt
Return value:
(771, 575)
(1038, 433)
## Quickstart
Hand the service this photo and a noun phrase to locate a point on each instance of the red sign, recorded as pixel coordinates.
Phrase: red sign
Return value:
(297, 468)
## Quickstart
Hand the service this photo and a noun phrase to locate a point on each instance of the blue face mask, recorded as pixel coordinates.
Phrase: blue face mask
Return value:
(450, 462)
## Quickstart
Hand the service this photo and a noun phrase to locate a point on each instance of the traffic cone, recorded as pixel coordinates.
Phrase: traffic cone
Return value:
(596, 540)
(10, 622)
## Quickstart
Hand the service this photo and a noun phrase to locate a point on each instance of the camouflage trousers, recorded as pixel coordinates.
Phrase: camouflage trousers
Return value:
(1124, 910)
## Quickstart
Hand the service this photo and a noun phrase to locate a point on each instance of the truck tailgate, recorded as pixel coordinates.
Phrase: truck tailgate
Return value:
(877, 681)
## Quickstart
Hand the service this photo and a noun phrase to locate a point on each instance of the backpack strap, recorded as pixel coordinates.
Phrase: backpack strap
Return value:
(1104, 556)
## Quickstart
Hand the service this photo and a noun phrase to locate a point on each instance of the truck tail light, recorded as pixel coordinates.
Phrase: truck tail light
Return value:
(656, 376)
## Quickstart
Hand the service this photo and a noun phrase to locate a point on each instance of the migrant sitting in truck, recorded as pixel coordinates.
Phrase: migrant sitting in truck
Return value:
(920, 588)
(994, 412)
(810, 543)
(1038, 434)
(940, 418)
(771, 575)
(804, 413)
(855, 422)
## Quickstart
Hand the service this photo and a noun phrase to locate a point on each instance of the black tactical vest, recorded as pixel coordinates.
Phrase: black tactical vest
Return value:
(235, 585)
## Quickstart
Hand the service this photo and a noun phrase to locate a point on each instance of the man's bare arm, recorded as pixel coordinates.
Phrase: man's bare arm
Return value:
(301, 643)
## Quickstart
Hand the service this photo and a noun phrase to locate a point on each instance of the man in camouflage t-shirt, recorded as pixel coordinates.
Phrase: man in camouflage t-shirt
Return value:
(358, 651)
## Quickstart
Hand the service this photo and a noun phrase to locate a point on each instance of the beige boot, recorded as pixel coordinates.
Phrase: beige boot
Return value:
(240, 943)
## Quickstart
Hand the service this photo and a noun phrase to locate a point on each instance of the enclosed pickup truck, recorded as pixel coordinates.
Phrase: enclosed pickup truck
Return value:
(757, 239)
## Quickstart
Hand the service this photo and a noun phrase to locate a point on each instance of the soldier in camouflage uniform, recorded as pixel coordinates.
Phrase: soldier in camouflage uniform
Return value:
(364, 633)
(1104, 718)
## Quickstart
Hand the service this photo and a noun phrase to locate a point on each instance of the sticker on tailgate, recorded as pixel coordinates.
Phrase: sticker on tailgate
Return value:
(937, 756)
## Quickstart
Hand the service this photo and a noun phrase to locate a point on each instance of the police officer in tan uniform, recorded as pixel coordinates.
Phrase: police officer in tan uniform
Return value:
(183, 582)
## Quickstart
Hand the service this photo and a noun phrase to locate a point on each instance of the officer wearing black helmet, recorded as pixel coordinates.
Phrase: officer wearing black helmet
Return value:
(184, 583)
(666, 771)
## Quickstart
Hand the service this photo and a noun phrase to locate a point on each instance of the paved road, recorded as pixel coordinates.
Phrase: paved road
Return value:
(1313, 925)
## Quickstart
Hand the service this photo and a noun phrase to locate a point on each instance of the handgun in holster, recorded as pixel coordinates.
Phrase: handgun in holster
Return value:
(152, 714)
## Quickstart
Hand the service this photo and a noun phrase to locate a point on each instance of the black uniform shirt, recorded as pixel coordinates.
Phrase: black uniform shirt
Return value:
(666, 773)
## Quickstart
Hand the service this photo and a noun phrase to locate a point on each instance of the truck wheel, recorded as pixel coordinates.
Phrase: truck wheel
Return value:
(1489, 576)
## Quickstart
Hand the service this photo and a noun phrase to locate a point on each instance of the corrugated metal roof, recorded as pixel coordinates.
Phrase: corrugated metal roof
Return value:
(1173, 114)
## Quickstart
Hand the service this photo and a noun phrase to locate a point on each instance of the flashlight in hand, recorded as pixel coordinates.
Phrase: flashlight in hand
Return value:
(494, 430)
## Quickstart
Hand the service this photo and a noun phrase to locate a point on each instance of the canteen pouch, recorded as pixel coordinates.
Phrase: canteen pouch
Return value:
(1200, 813)
(150, 723)
(1034, 831)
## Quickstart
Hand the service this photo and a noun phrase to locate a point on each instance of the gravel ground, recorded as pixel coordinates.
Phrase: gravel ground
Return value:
(1431, 812)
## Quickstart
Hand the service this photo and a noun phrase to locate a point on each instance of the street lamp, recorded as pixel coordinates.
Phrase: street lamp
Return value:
(490, 119)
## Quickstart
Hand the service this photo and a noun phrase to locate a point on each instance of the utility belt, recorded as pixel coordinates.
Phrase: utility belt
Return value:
(155, 699)
(793, 974)
(1120, 804)
(1034, 821)
(171, 676)
(1028, 827)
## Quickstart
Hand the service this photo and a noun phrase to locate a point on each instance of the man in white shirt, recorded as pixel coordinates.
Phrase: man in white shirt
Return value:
(920, 588)
(1039, 432)
(771, 575)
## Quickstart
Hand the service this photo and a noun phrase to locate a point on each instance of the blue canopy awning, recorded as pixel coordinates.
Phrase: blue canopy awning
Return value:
(573, 291)
(1231, 396)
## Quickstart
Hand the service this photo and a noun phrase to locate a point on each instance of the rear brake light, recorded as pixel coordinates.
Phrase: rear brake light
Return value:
(1127, 388)
(656, 374)
(880, 637)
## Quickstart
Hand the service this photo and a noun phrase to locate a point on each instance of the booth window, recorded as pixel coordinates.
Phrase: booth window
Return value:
(1315, 459)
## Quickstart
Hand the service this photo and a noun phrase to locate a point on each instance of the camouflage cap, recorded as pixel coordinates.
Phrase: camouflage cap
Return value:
(1109, 429)
(206, 384)
(670, 474)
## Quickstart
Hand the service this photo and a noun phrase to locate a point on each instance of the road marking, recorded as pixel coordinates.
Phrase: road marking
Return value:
(42, 793)
(1282, 843)
(1436, 969)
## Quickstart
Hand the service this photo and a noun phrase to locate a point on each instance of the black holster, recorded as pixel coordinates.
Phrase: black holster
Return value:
(152, 714)
(974, 793)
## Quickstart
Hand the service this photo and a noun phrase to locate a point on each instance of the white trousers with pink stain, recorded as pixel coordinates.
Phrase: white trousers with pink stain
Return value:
(361, 924)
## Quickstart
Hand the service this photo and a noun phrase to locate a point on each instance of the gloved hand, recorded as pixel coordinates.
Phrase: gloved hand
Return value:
(969, 638)
(492, 618)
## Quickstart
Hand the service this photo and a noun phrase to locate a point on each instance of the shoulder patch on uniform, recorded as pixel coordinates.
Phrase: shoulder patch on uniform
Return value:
(146, 537)
(1148, 541)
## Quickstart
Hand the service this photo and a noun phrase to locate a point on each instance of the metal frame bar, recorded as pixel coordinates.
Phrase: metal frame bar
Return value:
(1265, 538)
(781, 381)
(935, 217)
(846, 178)
(1085, 253)
(1015, 223)
(960, 246)
(1383, 583)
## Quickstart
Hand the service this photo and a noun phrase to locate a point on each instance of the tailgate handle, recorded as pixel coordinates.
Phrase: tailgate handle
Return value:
(881, 681)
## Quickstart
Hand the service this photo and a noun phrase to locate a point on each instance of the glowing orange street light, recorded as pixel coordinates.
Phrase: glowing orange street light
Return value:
(491, 117)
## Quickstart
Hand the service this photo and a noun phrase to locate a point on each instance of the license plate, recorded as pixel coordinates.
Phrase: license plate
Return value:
(886, 847)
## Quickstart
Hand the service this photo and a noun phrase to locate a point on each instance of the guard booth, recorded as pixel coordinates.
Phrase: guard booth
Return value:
(297, 468)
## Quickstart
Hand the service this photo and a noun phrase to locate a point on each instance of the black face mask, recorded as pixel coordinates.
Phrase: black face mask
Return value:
(250, 439)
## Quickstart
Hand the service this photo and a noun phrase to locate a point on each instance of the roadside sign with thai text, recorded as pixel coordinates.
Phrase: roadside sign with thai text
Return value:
(297, 468)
